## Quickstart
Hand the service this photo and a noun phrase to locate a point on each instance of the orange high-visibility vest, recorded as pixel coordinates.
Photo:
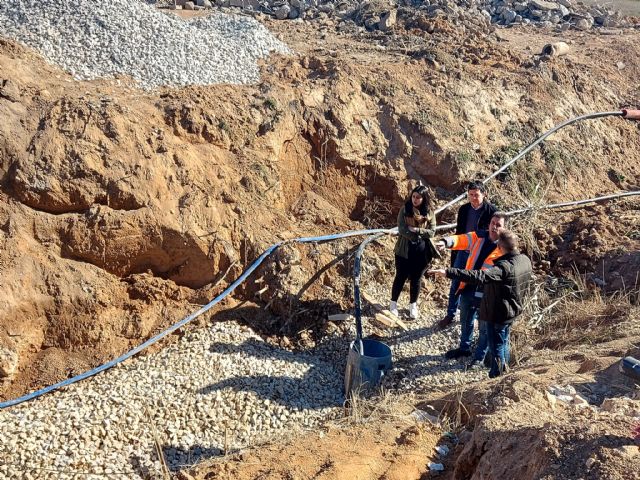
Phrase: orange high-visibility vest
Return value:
(472, 243)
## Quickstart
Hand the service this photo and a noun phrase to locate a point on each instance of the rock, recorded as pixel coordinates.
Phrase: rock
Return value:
(189, 6)
(371, 23)
(388, 20)
(283, 12)
(580, 401)
(564, 11)
(294, 13)
(509, 16)
(520, 7)
(9, 90)
(590, 462)
(8, 362)
(543, 5)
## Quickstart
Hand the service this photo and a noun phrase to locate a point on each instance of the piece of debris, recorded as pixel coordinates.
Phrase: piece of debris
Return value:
(442, 450)
(340, 317)
(556, 49)
(436, 467)
(422, 416)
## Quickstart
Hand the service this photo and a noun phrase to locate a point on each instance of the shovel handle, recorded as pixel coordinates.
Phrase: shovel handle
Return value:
(630, 114)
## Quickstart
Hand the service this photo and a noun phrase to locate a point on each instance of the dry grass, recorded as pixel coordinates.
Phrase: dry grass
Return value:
(575, 314)
(377, 213)
(384, 406)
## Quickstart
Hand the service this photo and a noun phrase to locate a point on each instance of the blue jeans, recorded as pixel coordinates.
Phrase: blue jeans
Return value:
(498, 336)
(459, 262)
(483, 342)
(468, 312)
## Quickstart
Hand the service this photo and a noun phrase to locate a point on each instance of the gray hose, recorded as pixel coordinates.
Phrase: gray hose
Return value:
(540, 139)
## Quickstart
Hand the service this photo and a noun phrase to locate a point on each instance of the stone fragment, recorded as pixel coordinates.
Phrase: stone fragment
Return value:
(371, 23)
(552, 400)
(189, 6)
(387, 20)
(543, 5)
(283, 12)
(9, 90)
(8, 362)
(509, 16)
(580, 401)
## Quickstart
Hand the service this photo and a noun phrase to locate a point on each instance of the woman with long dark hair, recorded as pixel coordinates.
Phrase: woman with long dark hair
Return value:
(413, 250)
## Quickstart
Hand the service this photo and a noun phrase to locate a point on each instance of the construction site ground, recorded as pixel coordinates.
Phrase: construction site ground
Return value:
(122, 210)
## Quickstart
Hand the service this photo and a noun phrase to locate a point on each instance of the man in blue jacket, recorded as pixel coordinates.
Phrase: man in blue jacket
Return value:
(472, 216)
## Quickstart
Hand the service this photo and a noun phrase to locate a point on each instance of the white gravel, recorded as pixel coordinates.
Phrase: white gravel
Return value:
(97, 38)
(218, 386)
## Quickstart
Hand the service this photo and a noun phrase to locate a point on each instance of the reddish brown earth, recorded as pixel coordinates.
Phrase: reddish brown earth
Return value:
(121, 211)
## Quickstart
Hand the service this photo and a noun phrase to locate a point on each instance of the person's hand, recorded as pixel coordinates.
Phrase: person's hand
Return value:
(438, 272)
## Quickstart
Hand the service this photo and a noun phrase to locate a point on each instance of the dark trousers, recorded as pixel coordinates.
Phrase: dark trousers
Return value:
(412, 268)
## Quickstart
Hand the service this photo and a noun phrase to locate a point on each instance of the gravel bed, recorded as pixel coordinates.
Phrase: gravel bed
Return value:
(215, 389)
(96, 39)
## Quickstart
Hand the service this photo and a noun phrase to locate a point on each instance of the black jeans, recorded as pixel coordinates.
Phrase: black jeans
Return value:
(412, 268)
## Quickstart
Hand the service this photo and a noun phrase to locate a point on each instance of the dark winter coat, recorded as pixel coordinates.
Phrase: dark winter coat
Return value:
(504, 287)
(487, 211)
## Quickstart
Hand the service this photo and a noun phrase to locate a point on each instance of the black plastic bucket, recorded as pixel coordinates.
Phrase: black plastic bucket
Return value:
(365, 371)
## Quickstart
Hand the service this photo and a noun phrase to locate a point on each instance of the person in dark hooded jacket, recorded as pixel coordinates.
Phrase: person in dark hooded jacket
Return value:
(505, 285)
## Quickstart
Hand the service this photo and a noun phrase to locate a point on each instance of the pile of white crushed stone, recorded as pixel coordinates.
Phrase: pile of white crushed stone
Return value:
(103, 39)
(217, 388)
